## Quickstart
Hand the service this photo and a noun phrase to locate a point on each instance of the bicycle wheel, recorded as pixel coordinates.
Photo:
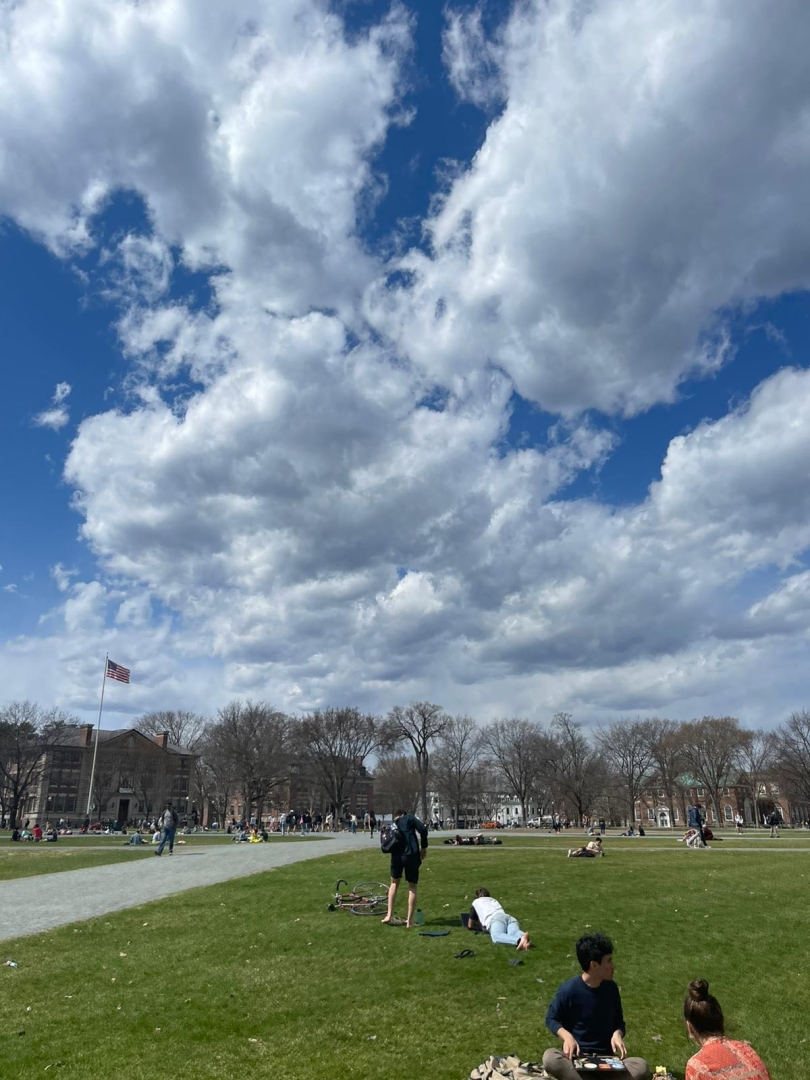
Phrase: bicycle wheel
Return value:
(371, 905)
(371, 889)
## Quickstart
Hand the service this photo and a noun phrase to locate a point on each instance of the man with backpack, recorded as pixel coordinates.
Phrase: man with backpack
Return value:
(168, 826)
(399, 840)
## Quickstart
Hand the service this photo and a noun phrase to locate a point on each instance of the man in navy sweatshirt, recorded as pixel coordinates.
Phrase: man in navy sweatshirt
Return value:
(586, 1014)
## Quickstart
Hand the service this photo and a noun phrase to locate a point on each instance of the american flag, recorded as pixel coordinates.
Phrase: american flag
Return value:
(115, 671)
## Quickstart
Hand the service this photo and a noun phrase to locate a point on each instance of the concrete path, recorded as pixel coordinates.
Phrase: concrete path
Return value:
(30, 905)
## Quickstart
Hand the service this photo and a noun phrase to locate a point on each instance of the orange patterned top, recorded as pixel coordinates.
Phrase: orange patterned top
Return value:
(728, 1059)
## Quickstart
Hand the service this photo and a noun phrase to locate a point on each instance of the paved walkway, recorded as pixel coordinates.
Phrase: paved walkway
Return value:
(30, 905)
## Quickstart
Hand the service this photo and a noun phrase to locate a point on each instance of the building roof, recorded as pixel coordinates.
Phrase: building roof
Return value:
(74, 735)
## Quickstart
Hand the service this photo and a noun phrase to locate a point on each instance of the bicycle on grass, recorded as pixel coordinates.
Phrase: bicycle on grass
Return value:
(367, 898)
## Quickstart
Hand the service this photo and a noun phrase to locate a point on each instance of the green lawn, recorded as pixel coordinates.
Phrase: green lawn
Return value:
(79, 852)
(29, 860)
(255, 978)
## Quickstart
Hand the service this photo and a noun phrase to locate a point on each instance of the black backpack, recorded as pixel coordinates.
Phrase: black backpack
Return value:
(391, 838)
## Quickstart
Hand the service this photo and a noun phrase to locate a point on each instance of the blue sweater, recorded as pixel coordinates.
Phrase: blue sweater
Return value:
(590, 1015)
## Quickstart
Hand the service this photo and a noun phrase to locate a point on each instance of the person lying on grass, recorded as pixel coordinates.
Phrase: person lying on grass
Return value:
(718, 1056)
(586, 1014)
(487, 914)
(592, 850)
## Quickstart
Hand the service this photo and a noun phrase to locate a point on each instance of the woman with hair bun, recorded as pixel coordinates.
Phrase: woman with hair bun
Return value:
(718, 1056)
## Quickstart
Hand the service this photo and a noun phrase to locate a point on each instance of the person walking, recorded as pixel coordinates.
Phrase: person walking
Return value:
(695, 821)
(168, 827)
(775, 820)
(372, 823)
(406, 858)
(353, 824)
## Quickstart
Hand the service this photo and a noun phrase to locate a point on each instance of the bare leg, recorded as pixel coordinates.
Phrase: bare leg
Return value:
(392, 899)
(411, 905)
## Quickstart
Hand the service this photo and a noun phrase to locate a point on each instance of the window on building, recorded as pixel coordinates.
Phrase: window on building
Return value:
(676, 814)
(701, 792)
(774, 789)
(726, 791)
(638, 815)
(650, 814)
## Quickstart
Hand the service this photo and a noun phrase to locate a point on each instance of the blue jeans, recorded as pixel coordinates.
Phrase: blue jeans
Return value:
(504, 930)
(354, 828)
(166, 835)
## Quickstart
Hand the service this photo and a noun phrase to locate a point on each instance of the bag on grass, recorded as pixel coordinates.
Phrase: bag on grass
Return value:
(391, 838)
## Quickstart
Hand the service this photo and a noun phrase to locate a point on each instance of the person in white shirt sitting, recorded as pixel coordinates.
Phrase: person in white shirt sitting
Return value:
(487, 914)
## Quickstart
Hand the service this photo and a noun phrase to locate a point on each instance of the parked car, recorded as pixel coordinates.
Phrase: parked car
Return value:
(492, 825)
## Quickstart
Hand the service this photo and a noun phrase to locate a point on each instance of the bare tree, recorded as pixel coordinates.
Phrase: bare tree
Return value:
(575, 770)
(419, 724)
(626, 748)
(711, 749)
(148, 773)
(106, 778)
(666, 745)
(397, 783)
(185, 729)
(792, 755)
(458, 751)
(28, 735)
(215, 776)
(517, 749)
(334, 743)
(250, 741)
(755, 760)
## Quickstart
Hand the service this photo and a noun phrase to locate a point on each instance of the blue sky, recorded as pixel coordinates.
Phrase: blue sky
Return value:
(403, 356)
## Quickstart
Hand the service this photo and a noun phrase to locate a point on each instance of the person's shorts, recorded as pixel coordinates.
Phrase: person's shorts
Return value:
(408, 865)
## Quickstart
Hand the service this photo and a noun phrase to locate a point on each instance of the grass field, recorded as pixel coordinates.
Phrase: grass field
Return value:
(255, 978)
(79, 852)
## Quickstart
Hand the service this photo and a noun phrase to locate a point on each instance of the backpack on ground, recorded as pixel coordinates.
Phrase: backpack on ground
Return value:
(391, 838)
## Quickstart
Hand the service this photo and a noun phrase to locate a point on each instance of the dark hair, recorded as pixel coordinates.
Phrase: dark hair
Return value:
(482, 892)
(593, 948)
(702, 1009)
(399, 813)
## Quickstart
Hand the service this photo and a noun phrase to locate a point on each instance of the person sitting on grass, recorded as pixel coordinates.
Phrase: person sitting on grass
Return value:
(586, 1014)
(718, 1056)
(592, 850)
(487, 914)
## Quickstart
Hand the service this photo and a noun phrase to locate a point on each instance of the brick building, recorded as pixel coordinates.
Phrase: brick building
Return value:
(135, 774)
(656, 810)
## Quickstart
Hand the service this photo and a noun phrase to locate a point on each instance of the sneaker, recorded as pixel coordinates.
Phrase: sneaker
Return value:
(158, 853)
(569, 853)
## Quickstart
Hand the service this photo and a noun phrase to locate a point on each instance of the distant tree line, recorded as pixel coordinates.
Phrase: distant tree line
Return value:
(251, 749)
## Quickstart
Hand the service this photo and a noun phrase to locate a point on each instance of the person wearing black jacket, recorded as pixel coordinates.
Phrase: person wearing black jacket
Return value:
(406, 858)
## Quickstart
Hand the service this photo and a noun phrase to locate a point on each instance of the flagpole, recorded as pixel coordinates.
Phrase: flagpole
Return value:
(98, 726)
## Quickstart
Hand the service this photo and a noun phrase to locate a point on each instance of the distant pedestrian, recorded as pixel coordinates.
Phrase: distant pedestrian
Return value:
(775, 820)
(602, 826)
(168, 827)
(372, 823)
(694, 820)
(353, 824)
(738, 820)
